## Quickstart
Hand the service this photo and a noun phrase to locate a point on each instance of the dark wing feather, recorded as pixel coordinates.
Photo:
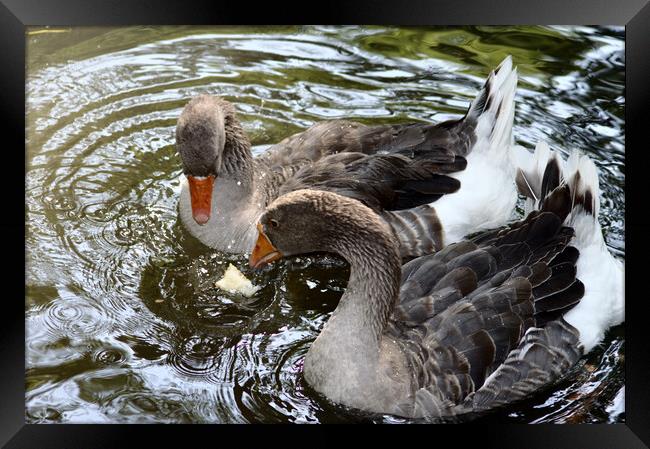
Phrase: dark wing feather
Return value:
(381, 181)
(387, 167)
(543, 356)
(466, 309)
(439, 143)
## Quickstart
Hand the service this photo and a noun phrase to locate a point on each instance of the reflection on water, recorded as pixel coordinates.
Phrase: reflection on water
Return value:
(124, 323)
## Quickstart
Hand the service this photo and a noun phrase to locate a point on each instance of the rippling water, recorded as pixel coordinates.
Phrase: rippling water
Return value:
(124, 323)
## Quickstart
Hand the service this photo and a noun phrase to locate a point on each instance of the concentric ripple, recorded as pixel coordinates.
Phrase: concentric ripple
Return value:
(124, 321)
(197, 356)
(75, 317)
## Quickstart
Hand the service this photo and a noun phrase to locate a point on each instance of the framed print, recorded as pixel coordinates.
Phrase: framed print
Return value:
(370, 214)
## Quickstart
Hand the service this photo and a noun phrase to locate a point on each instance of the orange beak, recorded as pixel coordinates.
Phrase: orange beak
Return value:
(201, 194)
(264, 251)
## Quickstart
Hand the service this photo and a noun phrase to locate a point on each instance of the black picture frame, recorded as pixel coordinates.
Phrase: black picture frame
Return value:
(15, 15)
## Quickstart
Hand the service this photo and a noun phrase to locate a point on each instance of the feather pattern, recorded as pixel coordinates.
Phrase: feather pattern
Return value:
(418, 230)
(543, 356)
(470, 309)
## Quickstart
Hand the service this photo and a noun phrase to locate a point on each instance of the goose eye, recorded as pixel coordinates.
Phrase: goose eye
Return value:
(274, 223)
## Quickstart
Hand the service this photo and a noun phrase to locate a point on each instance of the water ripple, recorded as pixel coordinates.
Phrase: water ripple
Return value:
(124, 321)
(72, 316)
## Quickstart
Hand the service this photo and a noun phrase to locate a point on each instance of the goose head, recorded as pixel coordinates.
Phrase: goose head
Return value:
(212, 145)
(307, 221)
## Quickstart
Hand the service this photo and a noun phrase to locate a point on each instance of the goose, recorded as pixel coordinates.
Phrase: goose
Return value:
(396, 170)
(480, 324)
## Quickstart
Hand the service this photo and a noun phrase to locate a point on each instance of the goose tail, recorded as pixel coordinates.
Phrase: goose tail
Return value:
(582, 179)
(487, 196)
(603, 304)
(571, 190)
(493, 110)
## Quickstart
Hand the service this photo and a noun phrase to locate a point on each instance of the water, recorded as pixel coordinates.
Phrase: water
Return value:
(124, 323)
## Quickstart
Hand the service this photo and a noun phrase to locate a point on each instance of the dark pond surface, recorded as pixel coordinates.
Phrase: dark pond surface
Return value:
(124, 323)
